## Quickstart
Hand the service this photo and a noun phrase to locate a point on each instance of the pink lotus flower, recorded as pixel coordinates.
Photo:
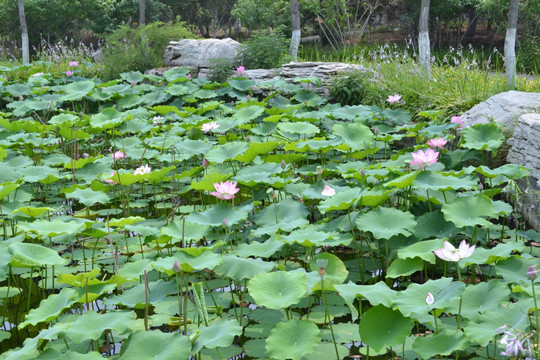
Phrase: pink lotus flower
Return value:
(430, 299)
(111, 181)
(119, 155)
(69, 73)
(145, 169)
(450, 253)
(328, 191)
(456, 119)
(240, 69)
(225, 190)
(393, 99)
(73, 63)
(209, 126)
(421, 158)
(437, 143)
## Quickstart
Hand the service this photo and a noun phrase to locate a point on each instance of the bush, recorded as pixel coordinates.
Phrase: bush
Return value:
(348, 88)
(264, 50)
(221, 70)
(139, 49)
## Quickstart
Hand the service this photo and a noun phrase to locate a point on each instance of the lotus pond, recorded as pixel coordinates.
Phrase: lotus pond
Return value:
(164, 217)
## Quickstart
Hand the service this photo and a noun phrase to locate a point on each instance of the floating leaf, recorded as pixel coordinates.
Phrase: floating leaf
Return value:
(91, 325)
(239, 269)
(404, 267)
(33, 255)
(215, 215)
(335, 270)
(376, 221)
(77, 90)
(219, 334)
(156, 345)
(469, 211)
(483, 137)
(50, 308)
(356, 136)
(443, 343)
(89, 197)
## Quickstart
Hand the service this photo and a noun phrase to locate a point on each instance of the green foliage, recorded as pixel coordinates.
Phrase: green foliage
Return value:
(221, 70)
(348, 88)
(264, 50)
(139, 49)
(262, 14)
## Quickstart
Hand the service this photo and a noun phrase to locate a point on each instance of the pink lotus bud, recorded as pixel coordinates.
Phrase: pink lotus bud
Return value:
(283, 164)
(205, 163)
(176, 267)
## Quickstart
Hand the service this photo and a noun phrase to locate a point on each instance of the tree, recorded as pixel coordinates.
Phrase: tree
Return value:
(423, 38)
(510, 44)
(296, 35)
(24, 31)
(142, 12)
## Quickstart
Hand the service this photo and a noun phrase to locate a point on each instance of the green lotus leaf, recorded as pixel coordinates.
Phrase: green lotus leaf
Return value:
(65, 119)
(277, 290)
(89, 197)
(219, 334)
(343, 200)
(129, 101)
(156, 345)
(286, 215)
(255, 149)
(155, 97)
(135, 297)
(469, 211)
(484, 298)
(376, 294)
(241, 84)
(176, 73)
(253, 175)
(79, 280)
(443, 343)
(293, 339)
(382, 327)
(357, 112)
(375, 196)
(335, 270)
(514, 268)
(263, 249)
(204, 94)
(357, 136)
(310, 237)
(494, 255)
(177, 89)
(17, 90)
(433, 224)
(33, 255)
(51, 307)
(42, 174)
(403, 181)
(229, 151)
(239, 269)
(133, 270)
(8, 291)
(430, 180)
(132, 76)
(303, 128)
(7, 189)
(108, 118)
(215, 215)
(404, 267)
(511, 171)
(248, 113)
(187, 231)
(189, 261)
(77, 90)
(482, 137)
(122, 222)
(422, 249)
(91, 325)
(376, 221)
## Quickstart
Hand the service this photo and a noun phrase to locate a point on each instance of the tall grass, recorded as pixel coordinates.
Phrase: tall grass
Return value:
(460, 78)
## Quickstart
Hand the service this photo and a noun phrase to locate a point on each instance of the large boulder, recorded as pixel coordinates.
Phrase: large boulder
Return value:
(525, 151)
(504, 108)
(200, 53)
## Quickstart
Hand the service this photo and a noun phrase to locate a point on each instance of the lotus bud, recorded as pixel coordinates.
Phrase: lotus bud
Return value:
(480, 186)
(430, 299)
(531, 272)
(248, 97)
(205, 163)
(225, 222)
(283, 164)
(363, 172)
(376, 131)
(319, 170)
(322, 263)
(85, 155)
(176, 267)
(133, 82)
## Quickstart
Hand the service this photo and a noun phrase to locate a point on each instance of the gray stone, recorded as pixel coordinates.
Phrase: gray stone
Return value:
(504, 108)
(525, 151)
(200, 53)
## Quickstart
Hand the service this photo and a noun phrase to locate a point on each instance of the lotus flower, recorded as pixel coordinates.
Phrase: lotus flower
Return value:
(240, 69)
(145, 169)
(456, 120)
(328, 191)
(437, 143)
(119, 155)
(421, 158)
(393, 99)
(450, 253)
(73, 63)
(209, 126)
(69, 73)
(430, 299)
(225, 190)
(111, 181)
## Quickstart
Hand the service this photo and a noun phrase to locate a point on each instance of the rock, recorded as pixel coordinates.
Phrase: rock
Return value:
(200, 53)
(525, 151)
(504, 108)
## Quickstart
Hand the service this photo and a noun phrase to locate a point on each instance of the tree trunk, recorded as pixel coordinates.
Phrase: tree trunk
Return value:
(142, 12)
(24, 31)
(295, 19)
(510, 45)
(473, 23)
(423, 38)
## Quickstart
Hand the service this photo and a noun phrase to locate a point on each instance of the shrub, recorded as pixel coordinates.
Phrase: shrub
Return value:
(221, 70)
(139, 49)
(348, 88)
(264, 50)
